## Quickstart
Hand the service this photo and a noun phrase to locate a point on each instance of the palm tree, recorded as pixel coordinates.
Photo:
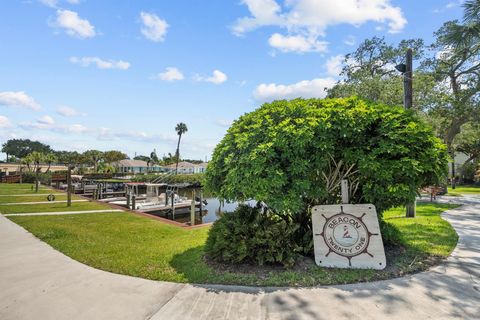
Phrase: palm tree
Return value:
(181, 128)
(49, 159)
(35, 158)
(93, 157)
(465, 34)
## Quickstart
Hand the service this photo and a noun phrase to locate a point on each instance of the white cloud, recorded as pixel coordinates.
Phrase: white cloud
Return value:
(296, 43)
(46, 120)
(74, 128)
(18, 99)
(334, 65)
(47, 123)
(74, 25)
(309, 19)
(100, 63)
(50, 3)
(137, 136)
(217, 77)
(154, 28)
(67, 111)
(350, 40)
(305, 89)
(4, 122)
(264, 12)
(224, 123)
(444, 54)
(54, 3)
(170, 74)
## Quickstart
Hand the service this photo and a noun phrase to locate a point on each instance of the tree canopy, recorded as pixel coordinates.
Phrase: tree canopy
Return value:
(20, 148)
(292, 154)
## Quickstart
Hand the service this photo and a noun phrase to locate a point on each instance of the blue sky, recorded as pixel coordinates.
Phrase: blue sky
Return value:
(85, 74)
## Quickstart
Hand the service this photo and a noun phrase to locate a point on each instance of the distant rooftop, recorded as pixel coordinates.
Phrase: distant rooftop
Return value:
(186, 165)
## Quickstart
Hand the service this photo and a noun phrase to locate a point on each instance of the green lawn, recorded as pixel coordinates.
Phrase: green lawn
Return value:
(24, 188)
(464, 189)
(52, 207)
(35, 198)
(134, 245)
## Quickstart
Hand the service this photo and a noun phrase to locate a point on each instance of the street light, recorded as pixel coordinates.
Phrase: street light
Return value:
(402, 67)
(407, 71)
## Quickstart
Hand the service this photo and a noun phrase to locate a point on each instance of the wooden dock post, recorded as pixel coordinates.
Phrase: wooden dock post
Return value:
(69, 186)
(173, 205)
(192, 209)
(344, 187)
(201, 201)
(129, 196)
(134, 198)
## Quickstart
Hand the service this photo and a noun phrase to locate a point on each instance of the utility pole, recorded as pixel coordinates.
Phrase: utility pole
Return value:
(408, 103)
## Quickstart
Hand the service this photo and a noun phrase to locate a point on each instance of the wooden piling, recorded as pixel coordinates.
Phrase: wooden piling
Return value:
(344, 188)
(173, 205)
(192, 209)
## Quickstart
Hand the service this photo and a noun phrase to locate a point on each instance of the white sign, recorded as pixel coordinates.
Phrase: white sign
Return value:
(347, 236)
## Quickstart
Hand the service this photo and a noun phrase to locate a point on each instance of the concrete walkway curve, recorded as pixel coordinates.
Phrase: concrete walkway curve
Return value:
(37, 282)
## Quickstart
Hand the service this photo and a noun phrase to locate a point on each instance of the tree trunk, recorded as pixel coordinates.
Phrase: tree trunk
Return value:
(36, 178)
(178, 153)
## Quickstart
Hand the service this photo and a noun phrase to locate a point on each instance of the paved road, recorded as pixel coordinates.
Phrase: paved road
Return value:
(37, 282)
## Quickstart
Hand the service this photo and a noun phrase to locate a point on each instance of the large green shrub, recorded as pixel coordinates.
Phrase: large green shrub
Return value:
(293, 154)
(249, 235)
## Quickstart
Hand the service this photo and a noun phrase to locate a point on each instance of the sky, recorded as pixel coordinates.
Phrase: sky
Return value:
(119, 75)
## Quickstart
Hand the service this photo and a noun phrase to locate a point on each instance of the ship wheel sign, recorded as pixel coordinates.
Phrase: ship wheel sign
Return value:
(347, 236)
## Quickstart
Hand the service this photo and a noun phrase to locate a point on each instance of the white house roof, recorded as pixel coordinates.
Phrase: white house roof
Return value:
(131, 163)
(186, 165)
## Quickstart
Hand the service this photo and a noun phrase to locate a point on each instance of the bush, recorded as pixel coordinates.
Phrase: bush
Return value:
(249, 235)
(43, 177)
(292, 154)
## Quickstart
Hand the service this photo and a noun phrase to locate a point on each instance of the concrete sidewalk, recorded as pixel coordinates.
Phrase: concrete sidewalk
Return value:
(37, 282)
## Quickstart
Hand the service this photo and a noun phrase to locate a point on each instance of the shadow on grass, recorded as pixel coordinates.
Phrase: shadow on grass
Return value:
(190, 264)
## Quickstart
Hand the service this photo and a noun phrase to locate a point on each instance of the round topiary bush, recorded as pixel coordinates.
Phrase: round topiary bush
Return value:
(292, 155)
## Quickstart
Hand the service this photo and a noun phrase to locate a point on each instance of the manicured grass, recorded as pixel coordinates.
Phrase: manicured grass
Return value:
(24, 188)
(428, 233)
(134, 245)
(12, 192)
(464, 189)
(52, 207)
(35, 198)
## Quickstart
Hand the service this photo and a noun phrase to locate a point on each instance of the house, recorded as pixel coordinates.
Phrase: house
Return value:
(185, 167)
(135, 166)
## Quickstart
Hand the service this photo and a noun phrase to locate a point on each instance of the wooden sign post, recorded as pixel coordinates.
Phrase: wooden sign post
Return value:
(347, 236)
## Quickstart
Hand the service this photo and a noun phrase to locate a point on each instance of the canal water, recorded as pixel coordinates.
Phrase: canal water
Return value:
(212, 211)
